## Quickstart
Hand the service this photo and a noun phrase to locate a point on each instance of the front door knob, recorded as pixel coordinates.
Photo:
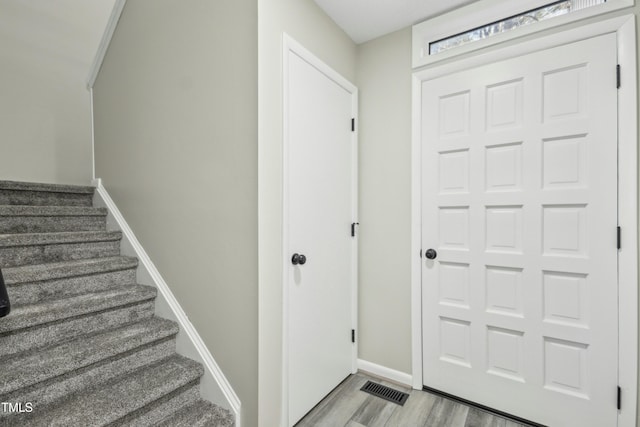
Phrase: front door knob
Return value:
(298, 259)
(431, 254)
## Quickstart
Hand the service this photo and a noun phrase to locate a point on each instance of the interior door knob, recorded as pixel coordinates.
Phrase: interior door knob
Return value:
(431, 254)
(298, 259)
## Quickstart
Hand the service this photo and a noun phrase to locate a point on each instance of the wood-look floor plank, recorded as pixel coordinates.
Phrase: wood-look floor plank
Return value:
(374, 412)
(479, 418)
(414, 412)
(337, 409)
(447, 413)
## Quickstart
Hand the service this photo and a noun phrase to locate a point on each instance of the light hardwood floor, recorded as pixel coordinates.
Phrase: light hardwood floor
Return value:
(347, 406)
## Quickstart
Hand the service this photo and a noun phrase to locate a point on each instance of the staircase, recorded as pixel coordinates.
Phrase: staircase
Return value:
(81, 345)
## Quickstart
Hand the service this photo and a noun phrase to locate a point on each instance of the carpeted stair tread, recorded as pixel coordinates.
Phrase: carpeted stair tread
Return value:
(32, 339)
(49, 219)
(200, 414)
(27, 369)
(111, 402)
(40, 248)
(32, 239)
(58, 270)
(51, 211)
(47, 290)
(51, 311)
(43, 187)
(35, 194)
(49, 393)
(164, 408)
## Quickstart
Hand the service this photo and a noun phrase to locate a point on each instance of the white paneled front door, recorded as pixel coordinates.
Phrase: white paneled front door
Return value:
(519, 204)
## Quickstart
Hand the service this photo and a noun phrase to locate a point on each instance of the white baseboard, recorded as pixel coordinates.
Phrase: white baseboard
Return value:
(385, 373)
(214, 386)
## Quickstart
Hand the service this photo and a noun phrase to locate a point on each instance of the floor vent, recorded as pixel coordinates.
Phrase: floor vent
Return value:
(386, 393)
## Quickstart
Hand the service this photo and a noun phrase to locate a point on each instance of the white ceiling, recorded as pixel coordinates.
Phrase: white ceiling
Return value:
(364, 20)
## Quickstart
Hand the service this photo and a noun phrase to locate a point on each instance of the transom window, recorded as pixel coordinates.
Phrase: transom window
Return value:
(543, 13)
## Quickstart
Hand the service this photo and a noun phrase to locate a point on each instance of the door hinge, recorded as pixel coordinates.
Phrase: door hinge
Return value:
(619, 398)
(618, 76)
(619, 233)
(353, 335)
(353, 125)
(420, 253)
(353, 228)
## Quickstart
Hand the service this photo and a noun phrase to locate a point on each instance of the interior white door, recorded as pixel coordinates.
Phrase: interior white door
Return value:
(520, 305)
(321, 196)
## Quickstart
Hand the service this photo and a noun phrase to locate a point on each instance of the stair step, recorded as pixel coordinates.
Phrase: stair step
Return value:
(40, 194)
(59, 332)
(60, 388)
(45, 187)
(66, 269)
(45, 282)
(39, 248)
(161, 409)
(49, 219)
(28, 316)
(200, 414)
(111, 402)
(26, 370)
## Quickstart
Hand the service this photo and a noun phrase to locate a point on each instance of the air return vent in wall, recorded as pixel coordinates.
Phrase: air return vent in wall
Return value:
(385, 392)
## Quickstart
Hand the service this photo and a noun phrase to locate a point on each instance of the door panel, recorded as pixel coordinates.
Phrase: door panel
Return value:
(520, 202)
(320, 215)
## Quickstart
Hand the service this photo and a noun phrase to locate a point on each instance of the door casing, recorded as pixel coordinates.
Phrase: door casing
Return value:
(289, 47)
(625, 29)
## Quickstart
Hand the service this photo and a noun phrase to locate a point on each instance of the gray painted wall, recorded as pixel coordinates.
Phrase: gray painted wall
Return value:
(46, 50)
(176, 147)
(308, 24)
(384, 80)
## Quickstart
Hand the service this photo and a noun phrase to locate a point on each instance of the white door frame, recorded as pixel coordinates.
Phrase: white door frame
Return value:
(625, 29)
(290, 46)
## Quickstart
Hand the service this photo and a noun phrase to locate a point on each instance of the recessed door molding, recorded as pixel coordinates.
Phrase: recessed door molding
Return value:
(624, 28)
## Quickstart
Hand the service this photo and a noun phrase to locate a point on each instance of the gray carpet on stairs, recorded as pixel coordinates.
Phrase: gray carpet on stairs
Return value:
(82, 346)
